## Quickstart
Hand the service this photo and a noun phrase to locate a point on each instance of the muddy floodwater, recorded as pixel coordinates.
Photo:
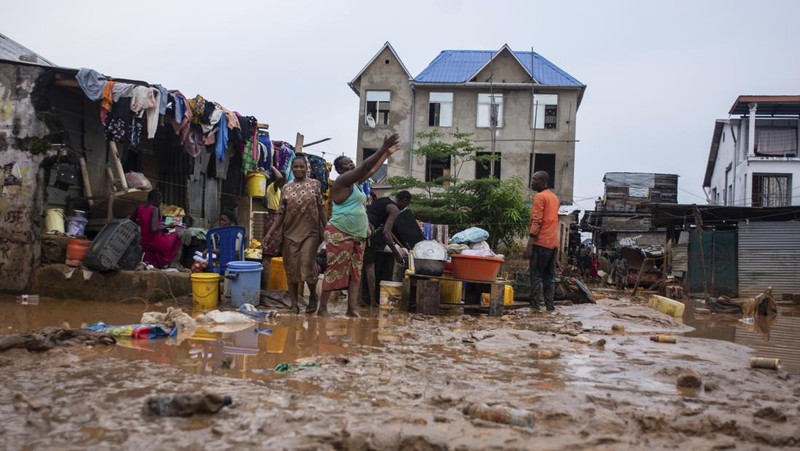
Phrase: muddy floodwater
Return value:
(587, 376)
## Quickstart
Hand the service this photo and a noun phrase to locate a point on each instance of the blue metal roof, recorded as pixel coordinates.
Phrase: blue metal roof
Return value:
(458, 66)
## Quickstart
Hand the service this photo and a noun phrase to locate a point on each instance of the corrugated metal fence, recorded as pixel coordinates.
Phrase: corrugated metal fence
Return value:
(769, 255)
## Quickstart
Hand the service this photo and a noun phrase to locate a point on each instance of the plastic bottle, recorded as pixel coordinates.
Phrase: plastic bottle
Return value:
(185, 405)
(28, 299)
(500, 414)
(663, 339)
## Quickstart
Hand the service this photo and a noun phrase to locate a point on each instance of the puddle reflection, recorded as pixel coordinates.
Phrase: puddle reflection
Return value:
(244, 353)
(774, 336)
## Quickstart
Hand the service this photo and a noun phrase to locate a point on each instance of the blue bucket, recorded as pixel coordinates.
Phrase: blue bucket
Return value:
(245, 282)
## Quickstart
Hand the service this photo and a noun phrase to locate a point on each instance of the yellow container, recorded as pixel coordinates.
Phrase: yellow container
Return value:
(54, 221)
(277, 275)
(666, 306)
(205, 290)
(391, 293)
(508, 295)
(256, 184)
(449, 291)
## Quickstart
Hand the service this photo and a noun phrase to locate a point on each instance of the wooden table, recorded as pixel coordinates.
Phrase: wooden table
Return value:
(422, 294)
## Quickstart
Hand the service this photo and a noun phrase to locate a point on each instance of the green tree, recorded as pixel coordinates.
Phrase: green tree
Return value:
(502, 208)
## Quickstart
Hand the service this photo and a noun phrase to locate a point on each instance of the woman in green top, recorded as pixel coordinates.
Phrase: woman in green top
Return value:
(348, 227)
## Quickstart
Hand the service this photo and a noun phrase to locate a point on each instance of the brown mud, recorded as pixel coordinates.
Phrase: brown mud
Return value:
(400, 381)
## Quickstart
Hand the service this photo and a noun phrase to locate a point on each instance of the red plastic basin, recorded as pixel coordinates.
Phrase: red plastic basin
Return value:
(470, 267)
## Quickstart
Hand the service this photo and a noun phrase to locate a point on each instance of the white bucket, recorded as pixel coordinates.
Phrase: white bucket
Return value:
(391, 294)
(54, 220)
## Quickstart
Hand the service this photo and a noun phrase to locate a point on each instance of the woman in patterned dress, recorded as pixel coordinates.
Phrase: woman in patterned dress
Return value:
(303, 219)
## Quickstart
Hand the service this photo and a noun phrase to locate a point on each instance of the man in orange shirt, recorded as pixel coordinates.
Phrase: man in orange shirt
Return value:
(542, 247)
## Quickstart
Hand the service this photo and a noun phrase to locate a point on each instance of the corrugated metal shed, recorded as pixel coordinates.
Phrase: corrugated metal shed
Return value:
(459, 66)
(769, 255)
(14, 51)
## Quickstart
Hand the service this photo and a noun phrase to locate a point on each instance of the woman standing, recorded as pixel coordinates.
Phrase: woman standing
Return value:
(160, 247)
(303, 219)
(348, 228)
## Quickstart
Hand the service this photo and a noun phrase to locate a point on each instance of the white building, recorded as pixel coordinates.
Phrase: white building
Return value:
(754, 161)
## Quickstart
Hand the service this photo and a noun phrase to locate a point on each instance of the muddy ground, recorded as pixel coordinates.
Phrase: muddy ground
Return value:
(397, 381)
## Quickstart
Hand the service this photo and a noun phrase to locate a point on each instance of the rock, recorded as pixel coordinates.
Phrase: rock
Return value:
(600, 343)
(689, 379)
(617, 329)
(770, 414)
(580, 339)
(547, 353)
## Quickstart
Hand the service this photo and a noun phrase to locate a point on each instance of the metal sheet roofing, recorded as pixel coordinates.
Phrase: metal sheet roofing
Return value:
(14, 51)
(459, 66)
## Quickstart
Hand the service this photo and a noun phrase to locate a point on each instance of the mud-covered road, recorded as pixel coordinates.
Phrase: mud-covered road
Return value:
(589, 377)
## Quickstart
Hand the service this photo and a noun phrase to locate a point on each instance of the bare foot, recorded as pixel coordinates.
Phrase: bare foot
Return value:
(323, 313)
(352, 313)
(295, 309)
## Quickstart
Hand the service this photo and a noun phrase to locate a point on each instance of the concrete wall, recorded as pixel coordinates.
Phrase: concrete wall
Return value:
(22, 148)
(513, 141)
(734, 152)
(386, 73)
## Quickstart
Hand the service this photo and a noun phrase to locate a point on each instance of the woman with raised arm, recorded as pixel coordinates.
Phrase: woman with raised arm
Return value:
(348, 227)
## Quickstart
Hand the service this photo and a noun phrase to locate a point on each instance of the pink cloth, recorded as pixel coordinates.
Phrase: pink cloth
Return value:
(159, 248)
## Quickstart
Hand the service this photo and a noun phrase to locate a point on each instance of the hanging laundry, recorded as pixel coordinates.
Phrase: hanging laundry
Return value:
(198, 106)
(106, 101)
(121, 90)
(122, 126)
(266, 154)
(211, 119)
(318, 170)
(222, 138)
(162, 104)
(182, 122)
(145, 100)
(91, 82)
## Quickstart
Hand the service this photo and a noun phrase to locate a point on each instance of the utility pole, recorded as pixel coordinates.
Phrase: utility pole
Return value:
(492, 122)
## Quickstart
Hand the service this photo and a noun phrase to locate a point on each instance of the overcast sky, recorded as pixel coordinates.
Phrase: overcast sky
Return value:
(658, 75)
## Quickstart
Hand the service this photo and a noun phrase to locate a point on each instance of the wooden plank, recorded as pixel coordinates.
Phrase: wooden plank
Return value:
(87, 186)
(496, 299)
(118, 165)
(428, 297)
(405, 300)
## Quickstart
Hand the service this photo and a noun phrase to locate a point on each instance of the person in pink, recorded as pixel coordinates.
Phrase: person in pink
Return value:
(160, 247)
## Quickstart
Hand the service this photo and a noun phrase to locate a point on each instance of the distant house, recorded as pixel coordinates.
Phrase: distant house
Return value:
(754, 161)
(624, 213)
(528, 102)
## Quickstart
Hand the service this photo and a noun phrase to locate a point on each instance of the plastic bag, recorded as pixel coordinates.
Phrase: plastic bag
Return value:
(138, 180)
(470, 235)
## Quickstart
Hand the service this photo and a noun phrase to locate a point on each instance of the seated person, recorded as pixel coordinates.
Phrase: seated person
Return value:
(161, 248)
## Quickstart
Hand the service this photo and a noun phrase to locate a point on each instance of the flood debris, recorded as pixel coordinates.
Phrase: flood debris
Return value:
(765, 363)
(500, 414)
(689, 379)
(770, 413)
(702, 311)
(545, 354)
(185, 405)
(661, 338)
(51, 337)
(617, 329)
(760, 305)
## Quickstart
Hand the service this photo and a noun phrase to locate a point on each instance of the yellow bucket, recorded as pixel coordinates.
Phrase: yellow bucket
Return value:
(391, 293)
(205, 290)
(256, 184)
(277, 275)
(508, 296)
(449, 291)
